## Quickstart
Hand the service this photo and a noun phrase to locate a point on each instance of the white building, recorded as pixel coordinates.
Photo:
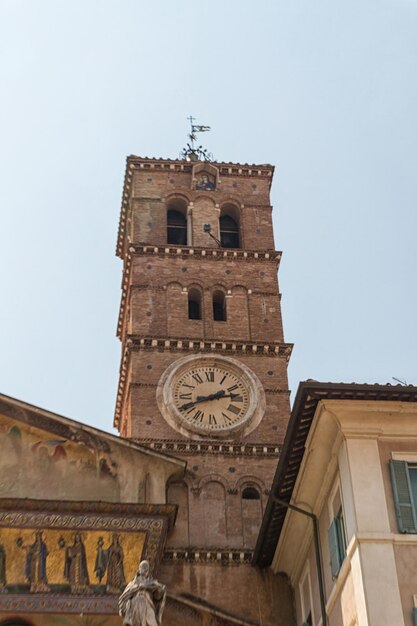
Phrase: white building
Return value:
(350, 464)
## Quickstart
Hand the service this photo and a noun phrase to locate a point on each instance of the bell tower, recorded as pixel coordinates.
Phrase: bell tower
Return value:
(203, 371)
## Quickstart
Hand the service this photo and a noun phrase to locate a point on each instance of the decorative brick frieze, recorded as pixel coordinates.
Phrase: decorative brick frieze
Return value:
(213, 447)
(196, 555)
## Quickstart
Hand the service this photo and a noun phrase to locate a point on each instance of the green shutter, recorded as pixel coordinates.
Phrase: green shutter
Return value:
(335, 561)
(404, 505)
(341, 543)
(415, 616)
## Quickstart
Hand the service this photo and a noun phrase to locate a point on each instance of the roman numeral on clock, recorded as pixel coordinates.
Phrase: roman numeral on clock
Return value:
(233, 409)
(212, 420)
(197, 378)
(210, 377)
(230, 389)
(186, 396)
(198, 416)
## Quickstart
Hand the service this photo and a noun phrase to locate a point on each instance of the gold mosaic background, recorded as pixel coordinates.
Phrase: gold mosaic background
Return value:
(131, 542)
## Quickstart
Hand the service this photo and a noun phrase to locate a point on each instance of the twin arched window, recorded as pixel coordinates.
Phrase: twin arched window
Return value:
(177, 228)
(195, 305)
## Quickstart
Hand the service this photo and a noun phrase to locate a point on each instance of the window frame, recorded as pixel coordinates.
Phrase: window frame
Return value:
(304, 615)
(336, 533)
(176, 228)
(230, 232)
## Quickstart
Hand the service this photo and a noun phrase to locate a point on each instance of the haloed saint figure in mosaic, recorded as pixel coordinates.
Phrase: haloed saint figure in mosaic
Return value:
(111, 559)
(75, 570)
(35, 566)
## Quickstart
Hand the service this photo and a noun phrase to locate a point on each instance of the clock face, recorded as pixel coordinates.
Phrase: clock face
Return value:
(210, 395)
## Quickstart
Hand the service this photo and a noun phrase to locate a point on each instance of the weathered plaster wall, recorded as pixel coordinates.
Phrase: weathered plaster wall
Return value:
(35, 463)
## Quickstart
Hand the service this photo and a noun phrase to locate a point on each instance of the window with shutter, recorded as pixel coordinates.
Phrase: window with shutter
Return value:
(333, 536)
(404, 486)
(336, 532)
(414, 616)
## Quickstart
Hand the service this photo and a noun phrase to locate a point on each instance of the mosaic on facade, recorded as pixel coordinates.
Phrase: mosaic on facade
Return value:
(42, 559)
(77, 550)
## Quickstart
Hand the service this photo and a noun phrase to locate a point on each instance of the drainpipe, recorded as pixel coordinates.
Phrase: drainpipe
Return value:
(316, 550)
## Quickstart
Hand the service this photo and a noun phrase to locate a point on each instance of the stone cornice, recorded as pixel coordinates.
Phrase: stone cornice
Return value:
(189, 447)
(139, 163)
(217, 254)
(196, 346)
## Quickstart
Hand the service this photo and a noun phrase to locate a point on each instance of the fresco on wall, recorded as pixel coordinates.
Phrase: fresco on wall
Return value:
(51, 465)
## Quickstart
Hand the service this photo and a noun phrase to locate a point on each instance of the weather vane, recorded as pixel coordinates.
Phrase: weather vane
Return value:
(192, 152)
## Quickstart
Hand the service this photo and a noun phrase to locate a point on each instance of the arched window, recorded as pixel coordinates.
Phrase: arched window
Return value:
(251, 515)
(250, 493)
(194, 304)
(219, 306)
(229, 232)
(176, 228)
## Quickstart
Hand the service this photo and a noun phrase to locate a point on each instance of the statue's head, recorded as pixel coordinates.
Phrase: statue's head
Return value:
(143, 568)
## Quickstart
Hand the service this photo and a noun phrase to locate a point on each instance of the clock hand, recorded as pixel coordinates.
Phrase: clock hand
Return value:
(232, 395)
(212, 396)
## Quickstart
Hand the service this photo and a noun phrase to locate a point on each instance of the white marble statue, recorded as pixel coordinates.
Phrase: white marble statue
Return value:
(142, 602)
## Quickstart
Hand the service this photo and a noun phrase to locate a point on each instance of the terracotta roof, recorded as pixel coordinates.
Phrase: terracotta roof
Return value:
(308, 396)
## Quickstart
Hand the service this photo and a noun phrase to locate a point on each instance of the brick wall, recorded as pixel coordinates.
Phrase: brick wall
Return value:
(212, 512)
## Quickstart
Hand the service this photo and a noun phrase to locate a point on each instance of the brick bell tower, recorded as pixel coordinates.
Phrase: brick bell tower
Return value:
(204, 364)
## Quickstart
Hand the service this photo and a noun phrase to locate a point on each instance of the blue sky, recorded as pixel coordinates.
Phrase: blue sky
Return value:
(326, 91)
